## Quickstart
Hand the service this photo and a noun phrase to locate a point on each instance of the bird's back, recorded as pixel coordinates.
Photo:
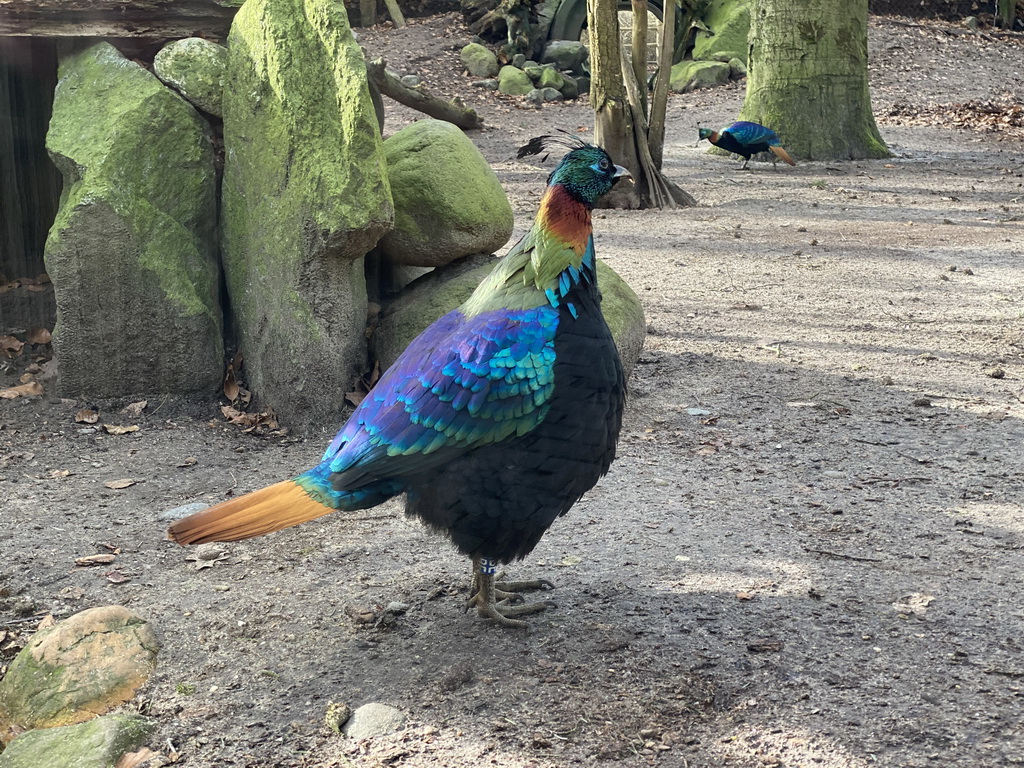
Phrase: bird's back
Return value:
(752, 135)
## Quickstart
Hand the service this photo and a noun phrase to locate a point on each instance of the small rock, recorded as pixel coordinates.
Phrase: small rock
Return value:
(551, 94)
(177, 513)
(411, 81)
(194, 67)
(479, 60)
(373, 719)
(514, 81)
(995, 373)
(565, 54)
(490, 85)
(518, 60)
(922, 402)
(456, 677)
(535, 96)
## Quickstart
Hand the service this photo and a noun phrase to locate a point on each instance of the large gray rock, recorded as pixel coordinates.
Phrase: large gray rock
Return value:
(513, 81)
(195, 68)
(693, 75)
(99, 743)
(132, 252)
(479, 60)
(448, 201)
(443, 290)
(82, 666)
(565, 54)
(305, 197)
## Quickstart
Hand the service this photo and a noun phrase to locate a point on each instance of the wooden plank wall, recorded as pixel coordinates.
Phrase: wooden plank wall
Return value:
(30, 185)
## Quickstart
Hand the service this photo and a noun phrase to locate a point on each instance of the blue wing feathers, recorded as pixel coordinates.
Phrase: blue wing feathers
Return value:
(463, 383)
(752, 133)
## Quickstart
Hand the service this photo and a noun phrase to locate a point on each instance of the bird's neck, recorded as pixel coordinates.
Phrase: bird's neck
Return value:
(713, 138)
(565, 218)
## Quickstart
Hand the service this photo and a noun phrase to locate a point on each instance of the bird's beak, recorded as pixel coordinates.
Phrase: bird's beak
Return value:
(620, 172)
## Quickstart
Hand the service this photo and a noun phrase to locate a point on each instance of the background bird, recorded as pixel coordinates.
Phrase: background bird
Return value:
(495, 420)
(747, 139)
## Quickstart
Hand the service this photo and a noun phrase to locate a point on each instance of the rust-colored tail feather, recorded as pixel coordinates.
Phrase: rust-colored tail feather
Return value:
(782, 154)
(275, 507)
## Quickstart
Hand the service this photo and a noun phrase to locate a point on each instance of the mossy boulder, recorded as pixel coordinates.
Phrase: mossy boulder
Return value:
(514, 81)
(132, 253)
(729, 25)
(448, 201)
(99, 743)
(479, 60)
(77, 669)
(443, 290)
(567, 55)
(305, 197)
(692, 75)
(551, 78)
(195, 68)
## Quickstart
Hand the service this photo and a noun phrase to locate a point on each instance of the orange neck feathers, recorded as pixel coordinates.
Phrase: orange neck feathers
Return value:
(565, 218)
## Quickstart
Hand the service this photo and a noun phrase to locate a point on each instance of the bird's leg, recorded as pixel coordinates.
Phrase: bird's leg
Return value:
(495, 600)
(745, 161)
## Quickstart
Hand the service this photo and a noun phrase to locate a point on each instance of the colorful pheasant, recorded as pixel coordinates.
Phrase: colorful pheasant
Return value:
(494, 421)
(746, 140)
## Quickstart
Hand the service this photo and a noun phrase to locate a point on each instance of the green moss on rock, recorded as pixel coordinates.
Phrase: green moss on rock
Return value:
(729, 22)
(99, 743)
(448, 201)
(132, 252)
(305, 197)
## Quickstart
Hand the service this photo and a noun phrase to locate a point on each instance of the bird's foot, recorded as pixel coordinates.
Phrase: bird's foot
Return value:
(501, 600)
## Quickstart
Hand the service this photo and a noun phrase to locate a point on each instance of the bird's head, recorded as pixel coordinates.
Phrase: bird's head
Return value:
(704, 133)
(586, 172)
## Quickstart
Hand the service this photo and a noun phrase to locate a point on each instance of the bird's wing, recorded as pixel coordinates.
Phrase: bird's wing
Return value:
(463, 383)
(751, 133)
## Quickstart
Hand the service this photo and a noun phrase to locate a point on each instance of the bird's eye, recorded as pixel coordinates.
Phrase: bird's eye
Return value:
(604, 164)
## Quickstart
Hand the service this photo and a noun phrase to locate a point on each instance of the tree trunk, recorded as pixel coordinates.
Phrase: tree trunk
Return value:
(639, 46)
(1006, 10)
(659, 98)
(613, 126)
(807, 78)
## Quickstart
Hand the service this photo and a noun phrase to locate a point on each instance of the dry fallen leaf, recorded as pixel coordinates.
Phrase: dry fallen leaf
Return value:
(117, 485)
(87, 416)
(744, 596)
(10, 346)
(89, 560)
(116, 577)
(189, 461)
(22, 390)
(39, 335)
(134, 410)
(135, 759)
(116, 429)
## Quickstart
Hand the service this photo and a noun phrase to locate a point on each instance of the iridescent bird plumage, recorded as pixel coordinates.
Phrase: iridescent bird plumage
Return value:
(496, 419)
(746, 139)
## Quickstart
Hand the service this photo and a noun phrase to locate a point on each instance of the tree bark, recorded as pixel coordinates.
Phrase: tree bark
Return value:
(807, 78)
(639, 46)
(111, 18)
(419, 99)
(659, 98)
(613, 125)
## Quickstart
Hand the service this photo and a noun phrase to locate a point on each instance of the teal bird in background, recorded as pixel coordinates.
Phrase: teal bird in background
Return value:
(746, 140)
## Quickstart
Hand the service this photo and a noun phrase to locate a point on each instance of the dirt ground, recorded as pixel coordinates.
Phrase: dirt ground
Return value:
(808, 553)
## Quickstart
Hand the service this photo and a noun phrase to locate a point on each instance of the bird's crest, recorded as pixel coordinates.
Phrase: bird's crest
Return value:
(546, 143)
